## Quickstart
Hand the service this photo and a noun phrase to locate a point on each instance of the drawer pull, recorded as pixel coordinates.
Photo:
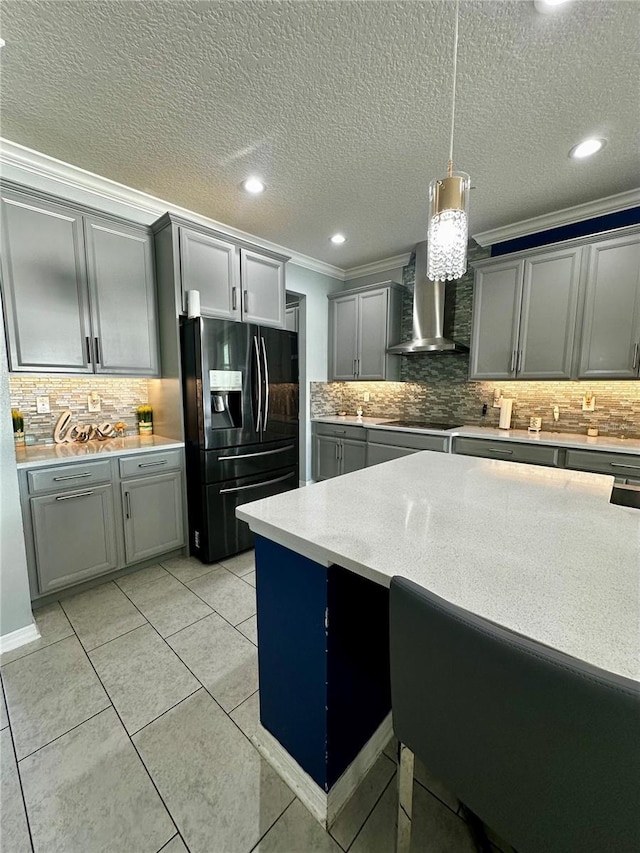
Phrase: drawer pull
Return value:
(499, 450)
(254, 455)
(71, 497)
(257, 485)
(621, 465)
(72, 477)
(152, 464)
(339, 431)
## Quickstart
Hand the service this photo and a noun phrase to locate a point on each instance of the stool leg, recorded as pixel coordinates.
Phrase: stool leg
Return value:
(405, 799)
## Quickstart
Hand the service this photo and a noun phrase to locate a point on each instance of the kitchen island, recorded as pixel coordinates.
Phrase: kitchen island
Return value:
(537, 550)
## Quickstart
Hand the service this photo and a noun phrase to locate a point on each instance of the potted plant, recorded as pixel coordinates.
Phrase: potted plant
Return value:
(145, 419)
(18, 426)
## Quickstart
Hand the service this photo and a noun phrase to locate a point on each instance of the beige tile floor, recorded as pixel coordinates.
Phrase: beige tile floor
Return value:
(129, 723)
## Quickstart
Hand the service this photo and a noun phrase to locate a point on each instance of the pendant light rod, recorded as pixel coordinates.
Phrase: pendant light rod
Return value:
(453, 99)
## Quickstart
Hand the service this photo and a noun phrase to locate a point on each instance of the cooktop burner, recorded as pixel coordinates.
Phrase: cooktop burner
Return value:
(422, 425)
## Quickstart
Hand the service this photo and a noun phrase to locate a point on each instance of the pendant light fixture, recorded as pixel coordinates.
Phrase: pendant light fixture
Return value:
(448, 227)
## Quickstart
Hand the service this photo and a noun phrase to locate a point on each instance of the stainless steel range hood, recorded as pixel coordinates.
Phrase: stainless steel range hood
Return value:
(428, 314)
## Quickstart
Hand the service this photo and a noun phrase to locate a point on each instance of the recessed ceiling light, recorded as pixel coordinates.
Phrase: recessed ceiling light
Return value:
(586, 148)
(338, 239)
(547, 6)
(253, 186)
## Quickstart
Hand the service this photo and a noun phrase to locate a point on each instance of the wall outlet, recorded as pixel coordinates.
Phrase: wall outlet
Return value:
(42, 405)
(497, 398)
(589, 402)
(94, 403)
(366, 396)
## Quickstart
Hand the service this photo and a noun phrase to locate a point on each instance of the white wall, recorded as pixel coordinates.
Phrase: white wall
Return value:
(15, 600)
(313, 343)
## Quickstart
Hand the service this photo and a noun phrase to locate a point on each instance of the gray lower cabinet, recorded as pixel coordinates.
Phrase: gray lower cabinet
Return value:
(153, 515)
(377, 453)
(510, 451)
(611, 328)
(385, 445)
(337, 450)
(363, 323)
(88, 517)
(74, 536)
(78, 289)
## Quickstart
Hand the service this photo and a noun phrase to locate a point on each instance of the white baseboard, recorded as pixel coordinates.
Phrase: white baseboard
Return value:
(324, 806)
(11, 641)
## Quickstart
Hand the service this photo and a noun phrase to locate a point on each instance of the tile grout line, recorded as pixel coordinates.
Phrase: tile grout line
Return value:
(286, 808)
(73, 728)
(15, 757)
(177, 832)
(41, 648)
(384, 790)
(166, 710)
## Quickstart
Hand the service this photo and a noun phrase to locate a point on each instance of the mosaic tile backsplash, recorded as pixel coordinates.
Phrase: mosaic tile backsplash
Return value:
(120, 399)
(437, 388)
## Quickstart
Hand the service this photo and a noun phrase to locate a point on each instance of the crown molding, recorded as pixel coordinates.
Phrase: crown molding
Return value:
(578, 213)
(31, 162)
(378, 266)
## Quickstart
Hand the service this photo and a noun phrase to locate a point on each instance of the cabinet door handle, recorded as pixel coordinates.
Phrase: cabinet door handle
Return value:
(497, 450)
(354, 368)
(357, 367)
(337, 444)
(127, 504)
(636, 351)
(72, 477)
(512, 366)
(234, 298)
(519, 361)
(71, 497)
(621, 465)
(98, 357)
(88, 343)
(152, 464)
(246, 301)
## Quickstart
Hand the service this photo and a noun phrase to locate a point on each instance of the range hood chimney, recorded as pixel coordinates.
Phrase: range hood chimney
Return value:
(428, 313)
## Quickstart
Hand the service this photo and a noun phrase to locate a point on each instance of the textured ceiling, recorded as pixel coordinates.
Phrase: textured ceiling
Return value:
(342, 107)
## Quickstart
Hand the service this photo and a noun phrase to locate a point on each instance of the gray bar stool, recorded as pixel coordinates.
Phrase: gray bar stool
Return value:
(543, 748)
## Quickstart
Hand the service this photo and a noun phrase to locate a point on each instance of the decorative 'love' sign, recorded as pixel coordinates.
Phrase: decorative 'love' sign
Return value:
(65, 432)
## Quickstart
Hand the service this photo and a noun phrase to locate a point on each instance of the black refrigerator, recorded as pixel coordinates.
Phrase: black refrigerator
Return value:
(240, 384)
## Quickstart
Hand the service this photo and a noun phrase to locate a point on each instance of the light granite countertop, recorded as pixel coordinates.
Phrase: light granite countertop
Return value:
(576, 441)
(38, 455)
(538, 550)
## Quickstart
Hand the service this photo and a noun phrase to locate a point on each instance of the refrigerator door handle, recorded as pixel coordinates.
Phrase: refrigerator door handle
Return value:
(257, 353)
(257, 485)
(266, 384)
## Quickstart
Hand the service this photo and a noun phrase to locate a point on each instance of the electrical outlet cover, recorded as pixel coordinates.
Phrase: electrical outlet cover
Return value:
(589, 403)
(94, 403)
(42, 405)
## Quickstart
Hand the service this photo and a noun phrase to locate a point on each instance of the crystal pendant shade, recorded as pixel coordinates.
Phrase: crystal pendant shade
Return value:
(448, 231)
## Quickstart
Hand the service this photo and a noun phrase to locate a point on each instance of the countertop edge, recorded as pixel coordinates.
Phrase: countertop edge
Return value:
(101, 452)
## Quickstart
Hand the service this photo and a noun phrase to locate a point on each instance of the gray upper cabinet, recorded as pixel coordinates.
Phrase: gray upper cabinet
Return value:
(263, 289)
(363, 323)
(122, 296)
(496, 313)
(524, 316)
(611, 327)
(548, 318)
(212, 267)
(78, 289)
(44, 286)
(343, 338)
(236, 280)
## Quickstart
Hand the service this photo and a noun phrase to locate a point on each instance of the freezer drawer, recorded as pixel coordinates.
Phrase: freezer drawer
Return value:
(228, 463)
(221, 533)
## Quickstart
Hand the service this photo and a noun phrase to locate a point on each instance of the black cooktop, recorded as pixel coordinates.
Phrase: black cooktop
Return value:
(422, 425)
